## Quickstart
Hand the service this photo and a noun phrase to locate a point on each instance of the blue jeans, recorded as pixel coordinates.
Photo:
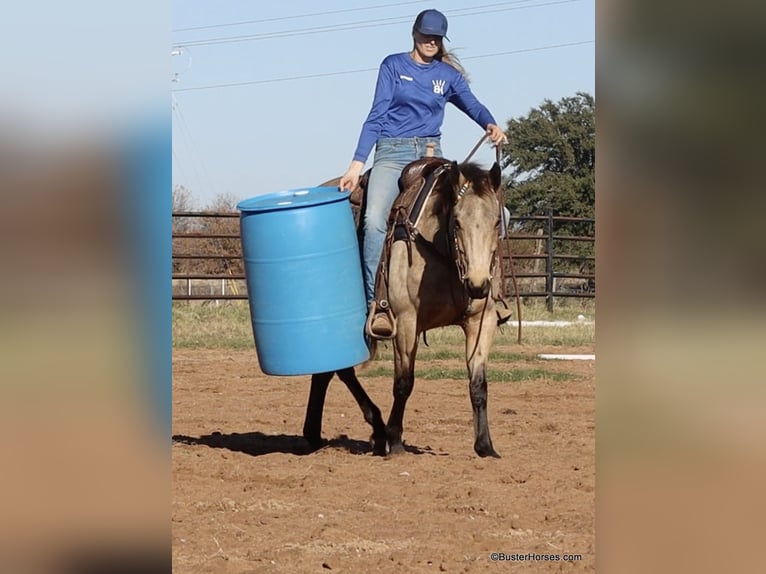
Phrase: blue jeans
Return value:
(391, 156)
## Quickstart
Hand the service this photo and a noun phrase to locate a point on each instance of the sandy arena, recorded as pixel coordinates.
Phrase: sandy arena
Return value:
(249, 497)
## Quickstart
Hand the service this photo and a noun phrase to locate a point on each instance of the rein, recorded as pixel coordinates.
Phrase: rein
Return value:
(477, 146)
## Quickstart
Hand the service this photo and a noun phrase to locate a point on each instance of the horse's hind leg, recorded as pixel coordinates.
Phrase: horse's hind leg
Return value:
(312, 426)
(369, 409)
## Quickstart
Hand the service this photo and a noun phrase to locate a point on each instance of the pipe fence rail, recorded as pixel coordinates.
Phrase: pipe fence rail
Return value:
(552, 256)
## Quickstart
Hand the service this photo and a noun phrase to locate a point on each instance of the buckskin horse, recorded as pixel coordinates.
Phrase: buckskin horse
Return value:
(437, 270)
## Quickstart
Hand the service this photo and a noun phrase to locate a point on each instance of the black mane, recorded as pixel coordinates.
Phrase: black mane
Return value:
(478, 177)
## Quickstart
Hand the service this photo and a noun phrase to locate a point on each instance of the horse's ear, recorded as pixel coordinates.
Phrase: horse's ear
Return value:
(494, 176)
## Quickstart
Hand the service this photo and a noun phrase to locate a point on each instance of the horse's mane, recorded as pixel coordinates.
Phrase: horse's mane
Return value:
(447, 187)
(477, 175)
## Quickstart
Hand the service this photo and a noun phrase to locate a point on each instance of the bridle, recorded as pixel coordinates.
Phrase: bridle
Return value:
(503, 246)
(456, 250)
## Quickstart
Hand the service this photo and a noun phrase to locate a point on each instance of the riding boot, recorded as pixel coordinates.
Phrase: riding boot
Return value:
(503, 313)
(380, 321)
(381, 327)
(502, 310)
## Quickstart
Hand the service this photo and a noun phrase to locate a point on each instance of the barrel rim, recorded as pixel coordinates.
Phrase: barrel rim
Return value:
(292, 199)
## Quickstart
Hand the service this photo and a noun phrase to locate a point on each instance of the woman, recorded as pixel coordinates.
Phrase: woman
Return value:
(407, 113)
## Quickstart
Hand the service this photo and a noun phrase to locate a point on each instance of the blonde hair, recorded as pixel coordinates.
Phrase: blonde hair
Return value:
(449, 58)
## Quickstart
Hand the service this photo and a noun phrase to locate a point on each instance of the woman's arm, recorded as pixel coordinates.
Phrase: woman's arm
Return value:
(464, 99)
(384, 93)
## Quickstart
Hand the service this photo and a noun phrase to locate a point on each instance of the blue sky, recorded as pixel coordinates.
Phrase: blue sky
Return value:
(243, 127)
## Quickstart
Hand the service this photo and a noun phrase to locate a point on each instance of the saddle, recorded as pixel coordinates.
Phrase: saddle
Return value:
(416, 183)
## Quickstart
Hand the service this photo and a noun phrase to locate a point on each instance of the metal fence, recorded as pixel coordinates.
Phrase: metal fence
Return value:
(552, 257)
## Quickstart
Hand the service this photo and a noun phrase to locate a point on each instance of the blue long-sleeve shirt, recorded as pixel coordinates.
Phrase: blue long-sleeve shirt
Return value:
(410, 99)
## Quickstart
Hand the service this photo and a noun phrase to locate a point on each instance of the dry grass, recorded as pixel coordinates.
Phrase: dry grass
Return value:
(227, 326)
(209, 326)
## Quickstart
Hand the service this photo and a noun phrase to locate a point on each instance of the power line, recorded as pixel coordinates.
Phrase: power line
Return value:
(525, 50)
(275, 80)
(346, 72)
(391, 21)
(189, 140)
(297, 16)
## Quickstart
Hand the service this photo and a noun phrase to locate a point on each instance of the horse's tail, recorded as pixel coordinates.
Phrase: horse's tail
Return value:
(372, 345)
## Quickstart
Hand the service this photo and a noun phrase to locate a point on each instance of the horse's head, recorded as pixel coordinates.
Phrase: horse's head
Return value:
(474, 224)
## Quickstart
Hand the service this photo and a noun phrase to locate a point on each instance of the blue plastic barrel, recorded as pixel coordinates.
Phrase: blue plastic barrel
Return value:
(304, 281)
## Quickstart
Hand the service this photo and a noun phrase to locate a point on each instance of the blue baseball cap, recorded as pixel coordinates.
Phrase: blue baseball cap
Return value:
(431, 23)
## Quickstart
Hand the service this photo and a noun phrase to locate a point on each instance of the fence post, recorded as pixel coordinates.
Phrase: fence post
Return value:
(549, 287)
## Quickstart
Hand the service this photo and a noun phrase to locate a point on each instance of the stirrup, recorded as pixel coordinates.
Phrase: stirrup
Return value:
(380, 324)
(503, 313)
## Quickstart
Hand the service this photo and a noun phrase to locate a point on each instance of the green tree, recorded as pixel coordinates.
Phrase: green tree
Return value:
(550, 159)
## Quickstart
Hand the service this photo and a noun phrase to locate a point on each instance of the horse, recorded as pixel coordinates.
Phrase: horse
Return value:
(444, 276)
(441, 274)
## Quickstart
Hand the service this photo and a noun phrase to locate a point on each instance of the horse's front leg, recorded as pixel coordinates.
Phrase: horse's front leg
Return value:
(369, 409)
(312, 426)
(405, 349)
(479, 334)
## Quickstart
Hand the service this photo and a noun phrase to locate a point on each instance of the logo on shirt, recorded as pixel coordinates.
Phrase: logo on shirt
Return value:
(403, 77)
(438, 86)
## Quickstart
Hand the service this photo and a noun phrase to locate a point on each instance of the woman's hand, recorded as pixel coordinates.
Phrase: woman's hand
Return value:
(496, 135)
(350, 179)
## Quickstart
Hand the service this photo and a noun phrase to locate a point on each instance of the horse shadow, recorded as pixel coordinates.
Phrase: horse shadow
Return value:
(258, 443)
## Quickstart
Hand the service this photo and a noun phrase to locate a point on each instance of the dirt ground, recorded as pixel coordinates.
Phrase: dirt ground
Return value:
(249, 497)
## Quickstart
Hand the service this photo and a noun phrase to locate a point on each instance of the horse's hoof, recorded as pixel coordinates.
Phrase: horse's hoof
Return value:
(397, 449)
(378, 446)
(379, 450)
(484, 451)
(315, 443)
